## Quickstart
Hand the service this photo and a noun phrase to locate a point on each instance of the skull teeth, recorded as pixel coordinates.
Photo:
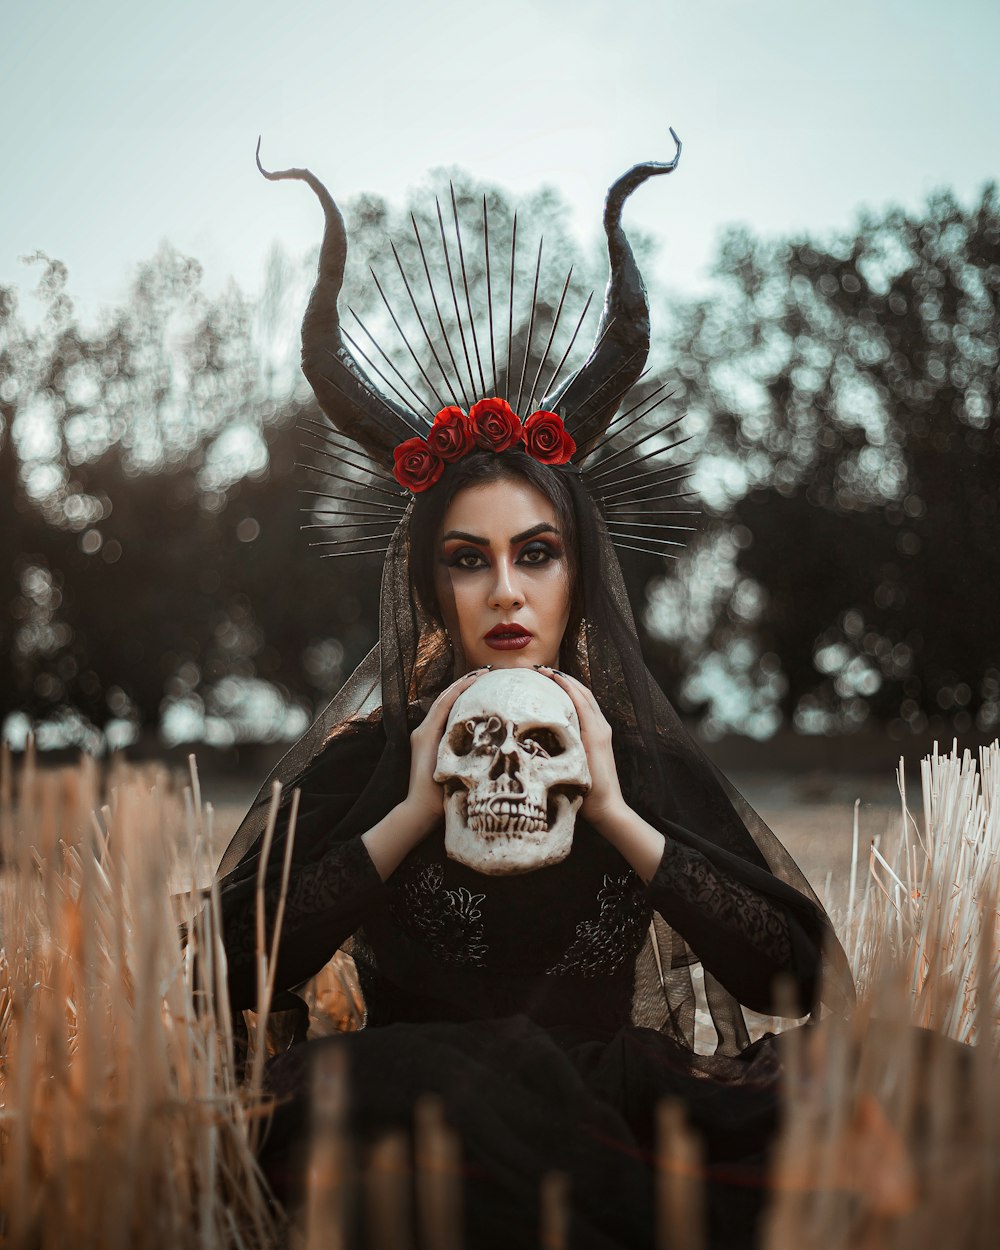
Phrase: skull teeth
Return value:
(492, 825)
(514, 815)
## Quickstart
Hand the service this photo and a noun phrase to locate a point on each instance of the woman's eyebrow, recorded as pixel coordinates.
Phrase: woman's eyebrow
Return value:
(543, 527)
(468, 538)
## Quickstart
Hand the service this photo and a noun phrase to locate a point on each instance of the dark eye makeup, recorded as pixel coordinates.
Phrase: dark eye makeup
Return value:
(533, 554)
(539, 553)
(465, 558)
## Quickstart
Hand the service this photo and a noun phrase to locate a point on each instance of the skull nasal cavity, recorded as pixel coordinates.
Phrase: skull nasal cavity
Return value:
(505, 765)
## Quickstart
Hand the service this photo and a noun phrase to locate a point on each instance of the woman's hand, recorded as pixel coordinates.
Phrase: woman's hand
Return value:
(605, 806)
(398, 832)
(425, 798)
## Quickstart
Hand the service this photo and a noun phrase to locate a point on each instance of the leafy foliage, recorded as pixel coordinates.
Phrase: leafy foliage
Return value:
(849, 393)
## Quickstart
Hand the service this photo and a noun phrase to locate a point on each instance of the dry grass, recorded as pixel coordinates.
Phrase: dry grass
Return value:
(123, 1121)
(891, 1136)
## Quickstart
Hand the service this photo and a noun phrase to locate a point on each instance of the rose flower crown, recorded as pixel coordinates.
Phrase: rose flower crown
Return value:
(381, 440)
(492, 425)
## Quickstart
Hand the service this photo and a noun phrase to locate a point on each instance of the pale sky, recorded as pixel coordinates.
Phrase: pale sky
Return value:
(128, 124)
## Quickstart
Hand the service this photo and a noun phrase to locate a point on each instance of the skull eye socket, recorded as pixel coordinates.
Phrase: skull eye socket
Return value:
(542, 741)
(461, 737)
(476, 735)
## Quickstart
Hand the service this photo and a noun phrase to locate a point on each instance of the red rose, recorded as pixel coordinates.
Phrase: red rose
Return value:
(495, 425)
(546, 439)
(416, 466)
(450, 436)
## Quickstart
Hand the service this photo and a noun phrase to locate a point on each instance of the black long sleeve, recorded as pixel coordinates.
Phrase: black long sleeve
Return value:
(326, 901)
(333, 881)
(745, 937)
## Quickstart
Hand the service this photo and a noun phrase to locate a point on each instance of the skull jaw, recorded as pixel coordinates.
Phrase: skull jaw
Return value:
(507, 852)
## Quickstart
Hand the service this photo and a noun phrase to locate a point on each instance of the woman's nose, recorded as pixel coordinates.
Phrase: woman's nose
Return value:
(506, 592)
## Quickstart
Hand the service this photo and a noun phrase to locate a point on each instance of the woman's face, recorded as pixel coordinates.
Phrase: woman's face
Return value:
(502, 576)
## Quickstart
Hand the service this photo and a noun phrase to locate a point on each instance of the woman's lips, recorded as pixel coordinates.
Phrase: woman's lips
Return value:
(508, 638)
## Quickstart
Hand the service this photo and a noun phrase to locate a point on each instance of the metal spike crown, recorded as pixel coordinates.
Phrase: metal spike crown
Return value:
(589, 401)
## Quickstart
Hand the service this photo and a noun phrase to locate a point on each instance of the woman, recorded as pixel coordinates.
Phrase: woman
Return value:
(552, 1011)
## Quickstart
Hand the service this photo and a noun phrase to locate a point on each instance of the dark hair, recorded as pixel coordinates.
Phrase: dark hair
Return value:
(477, 469)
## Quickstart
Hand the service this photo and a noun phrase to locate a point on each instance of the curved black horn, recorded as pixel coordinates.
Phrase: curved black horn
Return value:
(590, 398)
(348, 397)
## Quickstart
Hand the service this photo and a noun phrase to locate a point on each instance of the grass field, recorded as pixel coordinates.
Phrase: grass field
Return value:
(125, 1120)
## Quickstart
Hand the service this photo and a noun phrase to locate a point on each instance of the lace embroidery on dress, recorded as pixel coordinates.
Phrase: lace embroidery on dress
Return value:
(449, 923)
(327, 886)
(602, 946)
(730, 903)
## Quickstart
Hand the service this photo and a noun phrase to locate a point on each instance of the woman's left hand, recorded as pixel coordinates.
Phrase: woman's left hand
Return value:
(605, 804)
(605, 807)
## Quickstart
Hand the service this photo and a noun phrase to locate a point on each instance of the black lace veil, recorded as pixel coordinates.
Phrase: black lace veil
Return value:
(664, 775)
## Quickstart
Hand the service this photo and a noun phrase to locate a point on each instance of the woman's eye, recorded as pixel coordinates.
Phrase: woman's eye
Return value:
(536, 555)
(467, 560)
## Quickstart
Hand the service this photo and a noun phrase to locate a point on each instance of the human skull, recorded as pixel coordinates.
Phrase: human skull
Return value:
(515, 772)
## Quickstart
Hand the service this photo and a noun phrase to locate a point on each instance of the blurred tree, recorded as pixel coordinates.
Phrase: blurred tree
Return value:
(104, 434)
(849, 397)
(150, 570)
(842, 397)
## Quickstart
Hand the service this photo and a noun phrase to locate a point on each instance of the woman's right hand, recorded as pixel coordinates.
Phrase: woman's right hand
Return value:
(425, 798)
(398, 832)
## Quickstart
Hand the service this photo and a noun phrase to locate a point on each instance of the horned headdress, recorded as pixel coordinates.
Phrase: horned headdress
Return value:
(574, 419)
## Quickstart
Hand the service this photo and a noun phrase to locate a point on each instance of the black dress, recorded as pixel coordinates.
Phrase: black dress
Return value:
(514, 1000)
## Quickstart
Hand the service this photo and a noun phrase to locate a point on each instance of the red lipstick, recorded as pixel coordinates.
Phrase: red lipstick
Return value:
(508, 637)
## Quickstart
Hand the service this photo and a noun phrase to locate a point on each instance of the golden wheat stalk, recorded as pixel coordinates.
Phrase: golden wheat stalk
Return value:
(891, 1134)
(123, 1121)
